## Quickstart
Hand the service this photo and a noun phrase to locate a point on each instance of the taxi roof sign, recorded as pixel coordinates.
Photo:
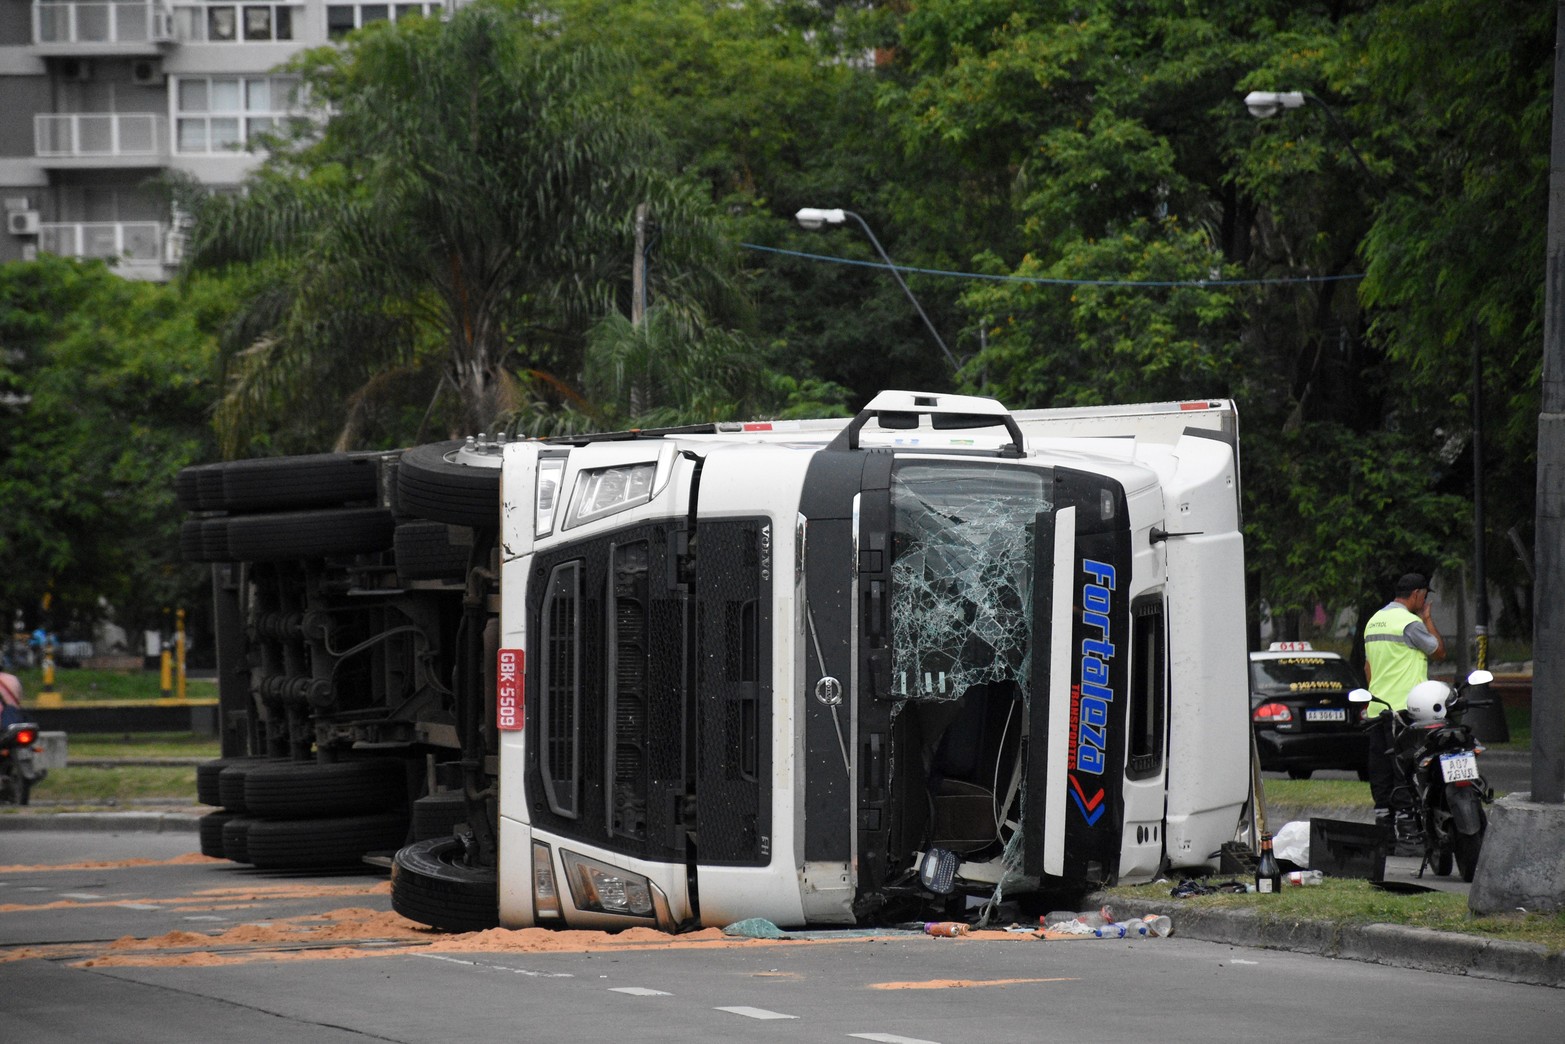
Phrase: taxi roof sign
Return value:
(1290, 647)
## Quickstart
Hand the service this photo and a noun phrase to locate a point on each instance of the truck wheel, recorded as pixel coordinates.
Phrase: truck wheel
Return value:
(441, 483)
(200, 487)
(302, 789)
(210, 828)
(208, 773)
(427, 551)
(338, 841)
(438, 815)
(231, 784)
(430, 885)
(309, 481)
(309, 534)
(236, 838)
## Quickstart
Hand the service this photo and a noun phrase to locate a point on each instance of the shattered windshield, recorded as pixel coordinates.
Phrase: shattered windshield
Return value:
(962, 574)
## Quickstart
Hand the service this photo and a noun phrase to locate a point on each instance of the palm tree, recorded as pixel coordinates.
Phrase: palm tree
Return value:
(462, 212)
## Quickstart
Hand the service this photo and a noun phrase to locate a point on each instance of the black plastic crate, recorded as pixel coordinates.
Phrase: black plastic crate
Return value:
(1342, 848)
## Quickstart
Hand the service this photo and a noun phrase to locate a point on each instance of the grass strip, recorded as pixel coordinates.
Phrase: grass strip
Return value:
(1346, 901)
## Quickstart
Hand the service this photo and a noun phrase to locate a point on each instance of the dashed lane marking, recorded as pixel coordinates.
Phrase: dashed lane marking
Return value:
(485, 965)
(639, 991)
(756, 1013)
(890, 1038)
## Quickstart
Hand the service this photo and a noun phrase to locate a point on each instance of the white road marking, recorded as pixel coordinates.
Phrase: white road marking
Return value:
(639, 991)
(1237, 960)
(756, 1013)
(80, 895)
(139, 906)
(891, 1038)
(205, 917)
(494, 967)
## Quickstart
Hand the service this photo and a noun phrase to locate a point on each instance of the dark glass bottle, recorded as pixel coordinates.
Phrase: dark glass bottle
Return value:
(1268, 874)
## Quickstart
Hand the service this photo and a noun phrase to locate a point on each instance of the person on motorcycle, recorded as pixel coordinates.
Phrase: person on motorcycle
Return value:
(10, 700)
(1399, 642)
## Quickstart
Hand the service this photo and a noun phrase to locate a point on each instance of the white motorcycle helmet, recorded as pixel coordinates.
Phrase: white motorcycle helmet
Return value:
(1426, 701)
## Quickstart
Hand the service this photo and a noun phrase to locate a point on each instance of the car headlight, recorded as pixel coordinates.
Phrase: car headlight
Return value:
(606, 889)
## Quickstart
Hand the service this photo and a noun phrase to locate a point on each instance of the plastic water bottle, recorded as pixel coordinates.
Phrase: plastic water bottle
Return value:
(1112, 930)
(1159, 925)
(946, 929)
(1304, 877)
(1135, 928)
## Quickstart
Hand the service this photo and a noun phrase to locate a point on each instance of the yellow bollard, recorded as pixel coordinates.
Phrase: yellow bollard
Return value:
(49, 697)
(166, 672)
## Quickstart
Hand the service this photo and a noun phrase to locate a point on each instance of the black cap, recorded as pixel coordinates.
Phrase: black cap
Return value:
(1411, 582)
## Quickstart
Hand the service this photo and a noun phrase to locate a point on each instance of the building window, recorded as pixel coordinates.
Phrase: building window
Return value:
(228, 113)
(342, 19)
(235, 23)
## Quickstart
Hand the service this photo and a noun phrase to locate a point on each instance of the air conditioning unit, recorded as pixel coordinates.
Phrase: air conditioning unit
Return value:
(76, 69)
(146, 72)
(22, 222)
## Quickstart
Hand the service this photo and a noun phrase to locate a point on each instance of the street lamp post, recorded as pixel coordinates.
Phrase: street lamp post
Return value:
(1264, 104)
(815, 217)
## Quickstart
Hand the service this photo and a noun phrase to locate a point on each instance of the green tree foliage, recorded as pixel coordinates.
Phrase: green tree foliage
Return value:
(105, 386)
(464, 214)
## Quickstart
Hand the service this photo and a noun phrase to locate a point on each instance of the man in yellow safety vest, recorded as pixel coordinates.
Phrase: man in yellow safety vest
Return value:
(1399, 642)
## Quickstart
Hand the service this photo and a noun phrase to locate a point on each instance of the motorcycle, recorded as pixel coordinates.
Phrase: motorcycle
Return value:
(1437, 756)
(20, 746)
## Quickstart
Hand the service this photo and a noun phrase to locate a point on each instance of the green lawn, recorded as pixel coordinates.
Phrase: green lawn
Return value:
(1345, 901)
(74, 685)
(93, 785)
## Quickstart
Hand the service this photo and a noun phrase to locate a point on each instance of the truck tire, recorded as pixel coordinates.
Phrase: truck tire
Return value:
(231, 784)
(200, 487)
(310, 481)
(276, 844)
(438, 815)
(302, 789)
(309, 534)
(208, 772)
(430, 885)
(210, 829)
(236, 838)
(427, 551)
(434, 483)
(204, 540)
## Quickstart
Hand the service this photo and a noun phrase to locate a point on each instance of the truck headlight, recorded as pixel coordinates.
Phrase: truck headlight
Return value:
(606, 889)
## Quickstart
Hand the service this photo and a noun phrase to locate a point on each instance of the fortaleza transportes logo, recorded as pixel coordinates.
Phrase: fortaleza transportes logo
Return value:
(1091, 697)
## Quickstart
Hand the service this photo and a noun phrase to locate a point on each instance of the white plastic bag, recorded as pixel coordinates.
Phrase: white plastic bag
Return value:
(1292, 842)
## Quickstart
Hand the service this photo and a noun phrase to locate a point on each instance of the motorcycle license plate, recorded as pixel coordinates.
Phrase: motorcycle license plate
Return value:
(1462, 765)
(1327, 714)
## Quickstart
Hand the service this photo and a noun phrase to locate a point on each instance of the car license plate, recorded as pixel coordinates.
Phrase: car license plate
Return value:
(1462, 765)
(1325, 714)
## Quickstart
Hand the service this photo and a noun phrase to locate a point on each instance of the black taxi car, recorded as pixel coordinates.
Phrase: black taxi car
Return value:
(1300, 712)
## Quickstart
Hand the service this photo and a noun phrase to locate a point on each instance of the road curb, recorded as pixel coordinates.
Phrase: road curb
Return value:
(105, 822)
(1394, 945)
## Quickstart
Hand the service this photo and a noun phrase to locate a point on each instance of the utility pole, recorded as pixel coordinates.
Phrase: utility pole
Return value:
(1525, 844)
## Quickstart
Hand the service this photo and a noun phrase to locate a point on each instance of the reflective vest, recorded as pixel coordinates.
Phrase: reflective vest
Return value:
(1394, 666)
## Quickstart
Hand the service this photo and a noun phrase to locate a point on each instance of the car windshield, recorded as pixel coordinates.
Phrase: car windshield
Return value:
(1302, 674)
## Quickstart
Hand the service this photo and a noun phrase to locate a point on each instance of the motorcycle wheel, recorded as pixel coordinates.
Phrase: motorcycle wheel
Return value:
(1467, 848)
(1440, 861)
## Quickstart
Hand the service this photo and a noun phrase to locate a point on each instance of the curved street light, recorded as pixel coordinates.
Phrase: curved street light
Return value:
(813, 218)
(1265, 104)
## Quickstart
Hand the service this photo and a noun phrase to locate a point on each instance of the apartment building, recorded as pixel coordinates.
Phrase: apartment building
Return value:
(98, 97)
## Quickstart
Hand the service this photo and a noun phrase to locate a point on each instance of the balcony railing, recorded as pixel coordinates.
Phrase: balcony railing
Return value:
(98, 22)
(139, 243)
(100, 135)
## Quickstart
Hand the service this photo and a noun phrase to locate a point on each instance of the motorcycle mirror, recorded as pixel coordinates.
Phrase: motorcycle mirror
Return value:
(1480, 677)
(1360, 696)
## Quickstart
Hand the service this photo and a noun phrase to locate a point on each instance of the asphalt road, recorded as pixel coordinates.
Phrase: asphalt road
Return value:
(132, 938)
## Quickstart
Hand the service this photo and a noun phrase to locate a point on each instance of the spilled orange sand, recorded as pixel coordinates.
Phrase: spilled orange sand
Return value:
(109, 864)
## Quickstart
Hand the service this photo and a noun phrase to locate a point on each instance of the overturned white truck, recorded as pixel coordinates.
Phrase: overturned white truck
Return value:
(818, 672)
